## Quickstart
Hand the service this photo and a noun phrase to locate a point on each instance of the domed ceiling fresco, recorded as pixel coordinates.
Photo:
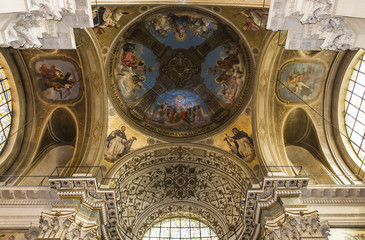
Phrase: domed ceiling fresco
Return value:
(179, 73)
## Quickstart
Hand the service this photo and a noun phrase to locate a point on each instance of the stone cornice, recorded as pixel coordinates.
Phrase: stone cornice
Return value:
(94, 198)
(334, 195)
(267, 196)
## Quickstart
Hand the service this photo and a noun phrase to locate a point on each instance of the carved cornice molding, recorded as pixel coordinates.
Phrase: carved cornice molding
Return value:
(27, 196)
(339, 195)
(90, 195)
(267, 196)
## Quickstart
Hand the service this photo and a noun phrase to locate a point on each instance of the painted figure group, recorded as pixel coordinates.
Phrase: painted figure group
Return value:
(54, 78)
(179, 24)
(229, 77)
(178, 113)
(131, 73)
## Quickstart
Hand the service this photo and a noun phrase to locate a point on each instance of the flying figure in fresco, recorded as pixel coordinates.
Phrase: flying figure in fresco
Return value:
(117, 145)
(53, 78)
(241, 144)
(254, 19)
(106, 17)
(296, 82)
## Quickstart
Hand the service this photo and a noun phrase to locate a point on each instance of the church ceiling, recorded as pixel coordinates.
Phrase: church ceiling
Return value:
(179, 74)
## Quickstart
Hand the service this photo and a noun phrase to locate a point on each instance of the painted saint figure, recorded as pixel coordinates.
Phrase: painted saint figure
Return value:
(117, 144)
(241, 144)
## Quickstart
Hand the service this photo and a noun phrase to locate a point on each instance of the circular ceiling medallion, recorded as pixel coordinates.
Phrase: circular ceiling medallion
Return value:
(179, 73)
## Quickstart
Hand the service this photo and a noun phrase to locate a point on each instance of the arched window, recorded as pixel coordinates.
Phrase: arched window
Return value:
(355, 109)
(180, 228)
(6, 109)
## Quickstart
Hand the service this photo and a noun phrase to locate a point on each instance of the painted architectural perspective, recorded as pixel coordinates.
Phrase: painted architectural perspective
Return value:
(151, 120)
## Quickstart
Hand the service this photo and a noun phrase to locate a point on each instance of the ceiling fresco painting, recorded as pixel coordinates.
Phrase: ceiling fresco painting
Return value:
(136, 71)
(254, 19)
(301, 81)
(106, 17)
(178, 73)
(121, 139)
(175, 73)
(182, 29)
(237, 139)
(57, 79)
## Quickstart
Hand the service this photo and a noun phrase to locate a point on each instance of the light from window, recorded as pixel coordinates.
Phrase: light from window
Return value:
(355, 109)
(180, 228)
(6, 109)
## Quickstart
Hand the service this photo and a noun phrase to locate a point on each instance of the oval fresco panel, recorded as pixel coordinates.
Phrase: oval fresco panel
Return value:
(179, 73)
(58, 80)
(301, 81)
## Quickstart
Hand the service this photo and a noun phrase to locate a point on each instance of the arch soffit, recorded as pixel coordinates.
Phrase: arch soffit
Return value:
(185, 166)
(148, 153)
(268, 150)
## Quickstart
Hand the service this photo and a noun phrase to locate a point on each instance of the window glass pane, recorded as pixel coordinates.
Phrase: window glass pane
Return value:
(361, 79)
(5, 108)
(352, 111)
(180, 228)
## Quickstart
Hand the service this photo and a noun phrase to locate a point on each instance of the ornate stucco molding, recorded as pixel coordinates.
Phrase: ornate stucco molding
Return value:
(67, 225)
(315, 25)
(43, 24)
(88, 192)
(296, 226)
(265, 197)
(190, 177)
